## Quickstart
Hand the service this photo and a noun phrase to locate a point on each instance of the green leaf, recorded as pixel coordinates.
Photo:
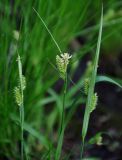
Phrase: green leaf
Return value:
(48, 30)
(36, 134)
(108, 79)
(92, 83)
(91, 87)
(32, 131)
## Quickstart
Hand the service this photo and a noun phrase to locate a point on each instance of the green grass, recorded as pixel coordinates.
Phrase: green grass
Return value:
(43, 104)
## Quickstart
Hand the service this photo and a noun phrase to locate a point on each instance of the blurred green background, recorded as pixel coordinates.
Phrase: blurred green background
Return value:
(74, 24)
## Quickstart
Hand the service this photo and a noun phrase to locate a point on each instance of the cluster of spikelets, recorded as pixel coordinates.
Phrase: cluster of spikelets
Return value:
(62, 62)
(86, 85)
(94, 97)
(17, 91)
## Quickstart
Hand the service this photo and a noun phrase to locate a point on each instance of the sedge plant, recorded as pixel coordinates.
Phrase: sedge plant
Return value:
(92, 97)
(32, 38)
(19, 97)
(62, 62)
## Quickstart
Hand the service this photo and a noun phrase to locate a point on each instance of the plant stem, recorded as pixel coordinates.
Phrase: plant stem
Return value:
(92, 84)
(62, 126)
(82, 149)
(21, 123)
(48, 30)
(21, 107)
(63, 109)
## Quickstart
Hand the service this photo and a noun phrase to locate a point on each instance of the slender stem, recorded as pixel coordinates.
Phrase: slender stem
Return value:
(63, 109)
(22, 137)
(92, 84)
(21, 107)
(62, 126)
(82, 149)
(48, 30)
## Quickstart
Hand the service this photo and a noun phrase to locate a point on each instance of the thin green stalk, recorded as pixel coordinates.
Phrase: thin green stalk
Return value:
(21, 123)
(64, 97)
(62, 126)
(21, 107)
(82, 149)
(91, 85)
(48, 30)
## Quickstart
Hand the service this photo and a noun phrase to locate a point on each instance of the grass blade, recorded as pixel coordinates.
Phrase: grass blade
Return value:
(108, 79)
(48, 30)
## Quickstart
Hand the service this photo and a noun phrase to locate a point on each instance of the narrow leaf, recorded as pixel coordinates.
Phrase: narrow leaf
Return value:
(92, 83)
(108, 79)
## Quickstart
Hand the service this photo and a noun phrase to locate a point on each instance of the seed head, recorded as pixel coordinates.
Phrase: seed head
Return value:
(99, 140)
(62, 62)
(23, 83)
(94, 102)
(86, 85)
(18, 97)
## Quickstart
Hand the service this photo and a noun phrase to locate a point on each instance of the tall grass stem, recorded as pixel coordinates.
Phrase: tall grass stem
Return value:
(92, 83)
(21, 107)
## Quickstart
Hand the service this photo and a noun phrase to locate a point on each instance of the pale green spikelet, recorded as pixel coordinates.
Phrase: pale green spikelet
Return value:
(62, 62)
(18, 91)
(23, 83)
(94, 102)
(99, 140)
(86, 86)
(18, 97)
(16, 35)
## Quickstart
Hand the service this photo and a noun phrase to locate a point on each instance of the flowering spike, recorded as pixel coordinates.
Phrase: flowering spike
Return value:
(23, 83)
(62, 62)
(94, 102)
(18, 97)
(99, 140)
(86, 85)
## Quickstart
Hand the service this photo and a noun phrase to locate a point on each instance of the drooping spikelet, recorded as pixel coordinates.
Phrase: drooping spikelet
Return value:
(18, 97)
(62, 62)
(94, 102)
(86, 85)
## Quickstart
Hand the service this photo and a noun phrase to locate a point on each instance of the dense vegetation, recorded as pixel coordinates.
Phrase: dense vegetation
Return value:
(37, 31)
